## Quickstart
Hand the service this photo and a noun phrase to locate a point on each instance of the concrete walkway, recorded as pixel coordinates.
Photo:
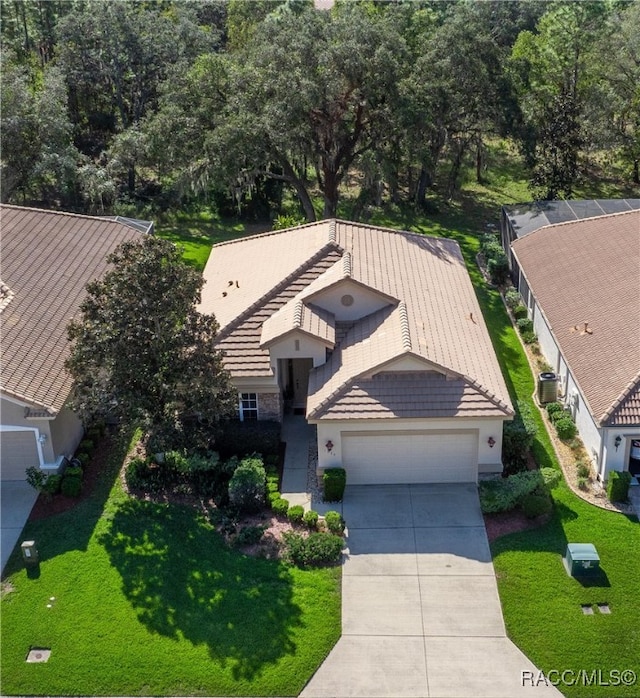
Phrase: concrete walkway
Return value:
(421, 615)
(16, 499)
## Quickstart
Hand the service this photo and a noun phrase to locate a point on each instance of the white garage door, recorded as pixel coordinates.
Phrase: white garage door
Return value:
(409, 457)
(18, 451)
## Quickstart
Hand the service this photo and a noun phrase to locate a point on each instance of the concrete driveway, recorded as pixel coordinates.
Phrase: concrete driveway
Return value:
(421, 614)
(16, 499)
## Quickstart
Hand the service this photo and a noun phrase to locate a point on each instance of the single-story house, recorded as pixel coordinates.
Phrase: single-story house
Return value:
(48, 257)
(375, 335)
(580, 280)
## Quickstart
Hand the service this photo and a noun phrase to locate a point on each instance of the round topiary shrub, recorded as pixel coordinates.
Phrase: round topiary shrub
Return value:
(247, 485)
(335, 522)
(272, 496)
(280, 506)
(310, 519)
(566, 428)
(71, 486)
(295, 513)
(83, 457)
(72, 471)
(534, 505)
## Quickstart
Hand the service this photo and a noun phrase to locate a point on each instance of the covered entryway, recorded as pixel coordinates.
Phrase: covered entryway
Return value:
(394, 457)
(18, 451)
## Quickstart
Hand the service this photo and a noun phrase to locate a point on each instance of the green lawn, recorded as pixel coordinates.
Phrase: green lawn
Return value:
(149, 601)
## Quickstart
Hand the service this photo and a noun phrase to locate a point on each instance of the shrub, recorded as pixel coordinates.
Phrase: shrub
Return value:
(335, 522)
(248, 484)
(618, 485)
(310, 519)
(531, 338)
(550, 477)
(512, 298)
(559, 414)
(135, 474)
(243, 438)
(490, 245)
(553, 408)
(517, 437)
(524, 325)
(583, 483)
(334, 481)
(566, 428)
(71, 486)
(583, 470)
(520, 312)
(272, 496)
(534, 505)
(280, 506)
(498, 269)
(86, 445)
(84, 458)
(505, 494)
(52, 484)
(94, 433)
(317, 549)
(72, 471)
(295, 513)
(249, 535)
(36, 478)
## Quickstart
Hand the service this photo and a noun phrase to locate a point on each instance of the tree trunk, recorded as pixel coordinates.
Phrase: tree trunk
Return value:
(330, 192)
(424, 182)
(131, 179)
(479, 160)
(636, 171)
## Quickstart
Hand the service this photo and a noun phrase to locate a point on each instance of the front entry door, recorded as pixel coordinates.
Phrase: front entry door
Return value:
(300, 378)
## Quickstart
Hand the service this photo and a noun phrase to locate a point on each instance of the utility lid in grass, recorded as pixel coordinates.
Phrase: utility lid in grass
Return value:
(38, 654)
(587, 610)
(604, 608)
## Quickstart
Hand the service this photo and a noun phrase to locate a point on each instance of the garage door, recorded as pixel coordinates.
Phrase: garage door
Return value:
(409, 457)
(18, 451)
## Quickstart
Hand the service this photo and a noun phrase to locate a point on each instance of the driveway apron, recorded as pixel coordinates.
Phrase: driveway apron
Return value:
(17, 501)
(421, 616)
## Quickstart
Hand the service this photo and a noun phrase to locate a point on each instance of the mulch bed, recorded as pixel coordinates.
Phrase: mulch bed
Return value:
(498, 525)
(50, 506)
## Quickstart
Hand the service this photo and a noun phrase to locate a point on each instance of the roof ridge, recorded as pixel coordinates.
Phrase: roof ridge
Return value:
(247, 312)
(347, 267)
(269, 233)
(404, 326)
(579, 220)
(633, 383)
(490, 395)
(70, 214)
(397, 231)
(297, 313)
(332, 230)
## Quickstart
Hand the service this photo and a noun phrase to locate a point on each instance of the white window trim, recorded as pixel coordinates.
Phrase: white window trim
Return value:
(241, 408)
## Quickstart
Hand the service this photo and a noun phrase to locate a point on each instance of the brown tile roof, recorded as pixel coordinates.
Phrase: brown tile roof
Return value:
(409, 395)
(588, 271)
(438, 321)
(47, 259)
(296, 315)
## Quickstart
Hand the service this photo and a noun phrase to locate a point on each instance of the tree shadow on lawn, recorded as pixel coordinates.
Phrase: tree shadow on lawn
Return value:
(185, 583)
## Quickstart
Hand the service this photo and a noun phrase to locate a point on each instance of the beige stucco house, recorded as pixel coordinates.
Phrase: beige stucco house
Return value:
(375, 335)
(47, 259)
(580, 280)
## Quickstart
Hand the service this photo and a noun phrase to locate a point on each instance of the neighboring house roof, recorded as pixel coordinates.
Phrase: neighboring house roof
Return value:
(529, 217)
(589, 272)
(48, 257)
(431, 311)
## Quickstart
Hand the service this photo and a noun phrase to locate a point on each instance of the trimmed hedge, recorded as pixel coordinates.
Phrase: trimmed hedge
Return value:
(295, 513)
(315, 550)
(310, 519)
(244, 438)
(334, 480)
(618, 485)
(507, 493)
(280, 506)
(554, 408)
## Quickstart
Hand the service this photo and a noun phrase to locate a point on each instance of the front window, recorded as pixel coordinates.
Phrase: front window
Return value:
(248, 406)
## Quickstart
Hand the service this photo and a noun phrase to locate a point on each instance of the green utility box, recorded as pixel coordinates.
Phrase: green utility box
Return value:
(581, 559)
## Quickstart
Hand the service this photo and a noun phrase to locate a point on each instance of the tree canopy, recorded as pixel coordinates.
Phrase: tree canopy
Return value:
(141, 351)
(117, 106)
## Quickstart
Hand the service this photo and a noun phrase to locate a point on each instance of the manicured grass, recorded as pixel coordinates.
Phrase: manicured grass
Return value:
(149, 601)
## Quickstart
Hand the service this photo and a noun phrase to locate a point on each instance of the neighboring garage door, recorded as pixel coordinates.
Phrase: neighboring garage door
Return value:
(409, 457)
(18, 451)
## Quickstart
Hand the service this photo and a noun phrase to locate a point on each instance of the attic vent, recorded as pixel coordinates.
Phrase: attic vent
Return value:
(346, 264)
(332, 231)
(347, 300)
(404, 325)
